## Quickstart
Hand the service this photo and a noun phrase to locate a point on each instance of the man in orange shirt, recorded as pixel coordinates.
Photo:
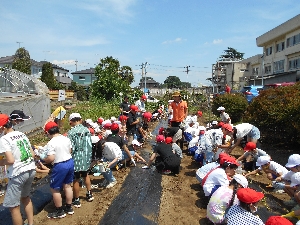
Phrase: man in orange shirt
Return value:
(179, 109)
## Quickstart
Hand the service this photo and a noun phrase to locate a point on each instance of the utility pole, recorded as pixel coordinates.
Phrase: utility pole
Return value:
(18, 42)
(76, 61)
(187, 69)
(144, 66)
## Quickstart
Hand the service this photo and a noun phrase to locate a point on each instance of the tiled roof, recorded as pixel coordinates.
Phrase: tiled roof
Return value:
(87, 71)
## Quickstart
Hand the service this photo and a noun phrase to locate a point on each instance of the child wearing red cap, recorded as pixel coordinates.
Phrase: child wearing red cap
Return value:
(278, 220)
(168, 161)
(249, 158)
(131, 123)
(59, 153)
(242, 214)
(19, 158)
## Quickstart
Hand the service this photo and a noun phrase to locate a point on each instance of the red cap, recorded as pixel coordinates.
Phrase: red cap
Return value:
(227, 126)
(100, 120)
(147, 115)
(123, 117)
(107, 126)
(200, 113)
(134, 108)
(160, 131)
(222, 157)
(50, 125)
(278, 220)
(114, 126)
(92, 131)
(249, 146)
(248, 195)
(160, 138)
(144, 97)
(3, 119)
(169, 140)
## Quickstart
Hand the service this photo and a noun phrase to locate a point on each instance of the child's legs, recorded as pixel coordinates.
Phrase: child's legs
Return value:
(69, 193)
(56, 197)
(139, 157)
(87, 181)
(297, 196)
(16, 215)
(290, 191)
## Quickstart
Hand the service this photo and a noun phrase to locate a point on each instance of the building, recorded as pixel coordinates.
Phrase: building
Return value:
(227, 71)
(84, 77)
(281, 52)
(253, 70)
(60, 74)
(150, 84)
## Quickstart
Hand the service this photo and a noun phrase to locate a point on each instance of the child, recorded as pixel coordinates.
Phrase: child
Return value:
(250, 156)
(176, 149)
(59, 152)
(273, 170)
(19, 157)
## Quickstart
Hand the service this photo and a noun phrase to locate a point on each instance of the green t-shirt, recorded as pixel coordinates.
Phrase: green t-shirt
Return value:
(81, 141)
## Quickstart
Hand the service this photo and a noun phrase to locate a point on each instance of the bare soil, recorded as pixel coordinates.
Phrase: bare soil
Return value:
(182, 198)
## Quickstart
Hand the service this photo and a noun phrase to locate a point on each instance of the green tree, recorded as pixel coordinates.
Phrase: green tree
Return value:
(111, 79)
(22, 61)
(232, 54)
(186, 85)
(47, 75)
(172, 82)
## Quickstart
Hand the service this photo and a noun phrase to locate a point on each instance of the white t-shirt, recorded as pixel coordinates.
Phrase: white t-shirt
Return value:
(59, 146)
(19, 145)
(224, 117)
(288, 176)
(243, 129)
(202, 171)
(141, 105)
(276, 167)
(193, 142)
(218, 204)
(215, 136)
(216, 177)
(111, 151)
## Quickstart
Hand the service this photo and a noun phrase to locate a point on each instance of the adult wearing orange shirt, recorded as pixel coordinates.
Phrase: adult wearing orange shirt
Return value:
(179, 109)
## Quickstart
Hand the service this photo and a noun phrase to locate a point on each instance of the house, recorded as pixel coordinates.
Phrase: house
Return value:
(84, 77)
(281, 52)
(150, 83)
(60, 74)
(253, 71)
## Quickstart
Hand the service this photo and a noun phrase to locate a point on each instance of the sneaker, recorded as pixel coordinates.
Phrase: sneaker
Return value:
(104, 183)
(56, 214)
(89, 197)
(279, 191)
(69, 210)
(76, 203)
(111, 184)
(166, 171)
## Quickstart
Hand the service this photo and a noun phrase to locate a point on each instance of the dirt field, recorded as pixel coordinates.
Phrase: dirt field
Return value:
(182, 199)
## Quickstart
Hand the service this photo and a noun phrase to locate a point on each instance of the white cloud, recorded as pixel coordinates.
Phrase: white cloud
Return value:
(217, 41)
(176, 40)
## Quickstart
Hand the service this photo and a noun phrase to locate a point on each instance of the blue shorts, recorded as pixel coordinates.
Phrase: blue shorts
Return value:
(254, 133)
(214, 189)
(125, 156)
(274, 176)
(62, 173)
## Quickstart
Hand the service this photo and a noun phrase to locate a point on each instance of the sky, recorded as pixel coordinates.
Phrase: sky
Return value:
(167, 34)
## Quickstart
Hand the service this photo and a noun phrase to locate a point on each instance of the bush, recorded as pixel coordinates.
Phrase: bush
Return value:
(235, 105)
(276, 112)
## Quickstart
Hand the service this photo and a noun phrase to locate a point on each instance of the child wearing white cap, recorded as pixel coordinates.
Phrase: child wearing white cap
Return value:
(223, 198)
(224, 116)
(274, 170)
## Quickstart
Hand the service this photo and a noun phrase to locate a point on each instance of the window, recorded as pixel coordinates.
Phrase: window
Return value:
(255, 71)
(279, 66)
(81, 78)
(294, 64)
(269, 51)
(280, 47)
(294, 40)
(267, 69)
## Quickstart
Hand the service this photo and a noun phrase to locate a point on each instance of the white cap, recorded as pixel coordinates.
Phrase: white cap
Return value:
(105, 122)
(113, 118)
(214, 122)
(135, 142)
(241, 180)
(201, 128)
(294, 160)
(262, 160)
(74, 115)
(221, 108)
(295, 179)
(89, 121)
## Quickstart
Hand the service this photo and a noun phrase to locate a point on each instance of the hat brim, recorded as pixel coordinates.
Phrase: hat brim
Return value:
(290, 165)
(24, 118)
(176, 95)
(293, 184)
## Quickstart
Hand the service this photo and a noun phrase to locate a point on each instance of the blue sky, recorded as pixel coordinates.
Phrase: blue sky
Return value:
(167, 34)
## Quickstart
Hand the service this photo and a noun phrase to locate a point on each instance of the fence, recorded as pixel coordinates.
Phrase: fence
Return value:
(53, 95)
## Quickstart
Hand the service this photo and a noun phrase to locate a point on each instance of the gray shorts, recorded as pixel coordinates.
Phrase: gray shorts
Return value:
(18, 186)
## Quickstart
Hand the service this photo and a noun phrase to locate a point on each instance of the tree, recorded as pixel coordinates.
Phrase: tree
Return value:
(111, 79)
(186, 85)
(21, 61)
(172, 82)
(47, 75)
(232, 54)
